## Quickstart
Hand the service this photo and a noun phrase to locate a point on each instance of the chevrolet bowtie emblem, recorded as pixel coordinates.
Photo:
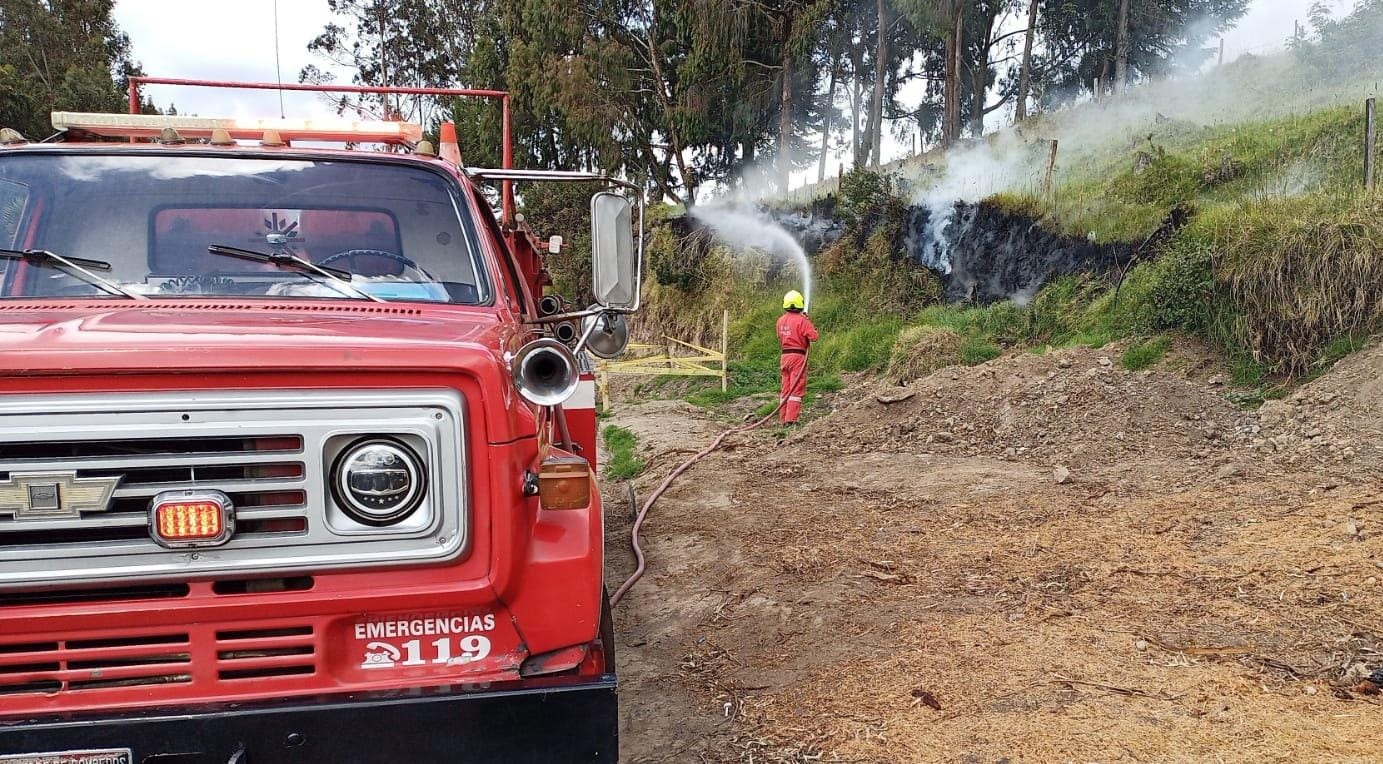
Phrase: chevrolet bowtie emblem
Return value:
(54, 495)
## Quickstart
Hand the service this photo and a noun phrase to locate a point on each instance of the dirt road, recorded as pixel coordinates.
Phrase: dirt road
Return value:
(1044, 558)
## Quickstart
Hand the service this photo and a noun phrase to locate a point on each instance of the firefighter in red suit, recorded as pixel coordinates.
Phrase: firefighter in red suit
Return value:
(795, 336)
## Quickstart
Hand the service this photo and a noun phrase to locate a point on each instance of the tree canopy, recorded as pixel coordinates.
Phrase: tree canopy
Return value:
(681, 95)
(60, 55)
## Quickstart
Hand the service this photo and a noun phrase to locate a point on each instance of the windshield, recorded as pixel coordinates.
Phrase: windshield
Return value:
(398, 232)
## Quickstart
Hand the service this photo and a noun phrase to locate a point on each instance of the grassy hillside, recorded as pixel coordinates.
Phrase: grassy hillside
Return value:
(1279, 263)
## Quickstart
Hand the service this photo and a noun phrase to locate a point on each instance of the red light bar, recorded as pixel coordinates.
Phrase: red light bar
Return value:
(325, 130)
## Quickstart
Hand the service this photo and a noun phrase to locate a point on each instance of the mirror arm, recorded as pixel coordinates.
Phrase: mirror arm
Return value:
(586, 336)
(560, 317)
(638, 260)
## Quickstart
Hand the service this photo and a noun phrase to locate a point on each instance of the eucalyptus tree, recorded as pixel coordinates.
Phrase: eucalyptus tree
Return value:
(60, 55)
(946, 20)
(1098, 46)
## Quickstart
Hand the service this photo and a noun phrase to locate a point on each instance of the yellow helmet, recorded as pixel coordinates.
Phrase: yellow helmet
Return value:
(794, 299)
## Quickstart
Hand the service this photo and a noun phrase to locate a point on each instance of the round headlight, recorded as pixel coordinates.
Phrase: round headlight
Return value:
(378, 481)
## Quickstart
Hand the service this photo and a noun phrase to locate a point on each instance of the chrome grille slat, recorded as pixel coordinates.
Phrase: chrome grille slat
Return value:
(118, 520)
(285, 479)
(135, 520)
(124, 463)
(283, 512)
(264, 485)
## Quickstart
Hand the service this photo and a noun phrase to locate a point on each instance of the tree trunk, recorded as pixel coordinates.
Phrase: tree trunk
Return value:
(980, 78)
(826, 113)
(785, 113)
(955, 44)
(857, 61)
(876, 102)
(665, 101)
(1121, 53)
(659, 173)
(960, 61)
(948, 77)
(1020, 112)
(981, 87)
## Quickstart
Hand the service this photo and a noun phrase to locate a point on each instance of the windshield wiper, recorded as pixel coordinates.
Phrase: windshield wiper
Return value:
(72, 265)
(336, 276)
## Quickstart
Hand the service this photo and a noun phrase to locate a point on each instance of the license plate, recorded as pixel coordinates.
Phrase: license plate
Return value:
(104, 756)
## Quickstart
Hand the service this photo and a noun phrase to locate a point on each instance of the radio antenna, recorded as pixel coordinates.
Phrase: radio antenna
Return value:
(278, 66)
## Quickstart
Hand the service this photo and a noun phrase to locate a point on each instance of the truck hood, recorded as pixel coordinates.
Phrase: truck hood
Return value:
(44, 338)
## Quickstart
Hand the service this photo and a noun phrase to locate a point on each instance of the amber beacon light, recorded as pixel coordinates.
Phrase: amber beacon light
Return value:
(180, 519)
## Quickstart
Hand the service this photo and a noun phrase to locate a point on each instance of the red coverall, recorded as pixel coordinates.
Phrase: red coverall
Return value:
(795, 335)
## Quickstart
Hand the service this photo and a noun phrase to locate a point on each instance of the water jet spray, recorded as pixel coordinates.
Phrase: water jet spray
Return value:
(746, 229)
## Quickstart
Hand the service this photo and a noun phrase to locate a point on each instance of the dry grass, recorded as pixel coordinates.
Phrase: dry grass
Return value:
(1302, 273)
(921, 350)
(1055, 624)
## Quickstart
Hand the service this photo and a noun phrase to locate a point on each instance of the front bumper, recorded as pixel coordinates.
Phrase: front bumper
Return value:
(560, 720)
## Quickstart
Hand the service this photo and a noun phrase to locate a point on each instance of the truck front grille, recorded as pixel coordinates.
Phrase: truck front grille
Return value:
(270, 452)
(91, 664)
(264, 473)
(265, 653)
(77, 665)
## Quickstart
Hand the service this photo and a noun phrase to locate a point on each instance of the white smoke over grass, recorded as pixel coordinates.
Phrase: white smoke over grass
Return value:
(1251, 89)
(1093, 136)
(971, 173)
(747, 229)
(759, 182)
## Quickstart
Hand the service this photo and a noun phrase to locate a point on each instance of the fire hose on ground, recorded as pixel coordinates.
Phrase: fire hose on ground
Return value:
(672, 477)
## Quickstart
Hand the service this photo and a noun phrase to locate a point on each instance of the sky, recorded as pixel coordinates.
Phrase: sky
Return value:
(237, 42)
(1269, 23)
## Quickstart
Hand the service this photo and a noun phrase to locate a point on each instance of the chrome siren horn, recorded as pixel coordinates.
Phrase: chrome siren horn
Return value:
(545, 372)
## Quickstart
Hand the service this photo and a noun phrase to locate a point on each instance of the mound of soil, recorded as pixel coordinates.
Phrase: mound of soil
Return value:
(1336, 420)
(1074, 408)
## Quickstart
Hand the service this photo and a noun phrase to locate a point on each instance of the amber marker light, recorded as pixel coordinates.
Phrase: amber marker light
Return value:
(179, 519)
(564, 482)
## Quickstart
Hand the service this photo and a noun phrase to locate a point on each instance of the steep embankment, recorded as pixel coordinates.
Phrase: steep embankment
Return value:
(981, 252)
(1257, 238)
(1227, 206)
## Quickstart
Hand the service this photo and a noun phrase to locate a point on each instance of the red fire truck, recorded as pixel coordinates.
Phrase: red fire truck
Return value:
(296, 458)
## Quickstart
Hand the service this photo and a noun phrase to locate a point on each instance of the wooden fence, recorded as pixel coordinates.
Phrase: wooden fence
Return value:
(677, 358)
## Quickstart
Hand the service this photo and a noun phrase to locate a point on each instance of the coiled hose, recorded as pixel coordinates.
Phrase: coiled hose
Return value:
(668, 481)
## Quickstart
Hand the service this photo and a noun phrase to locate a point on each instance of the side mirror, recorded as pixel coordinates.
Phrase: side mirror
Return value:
(609, 337)
(614, 261)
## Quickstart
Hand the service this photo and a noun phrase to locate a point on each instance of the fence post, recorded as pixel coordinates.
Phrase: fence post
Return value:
(1370, 142)
(1222, 51)
(1051, 167)
(725, 351)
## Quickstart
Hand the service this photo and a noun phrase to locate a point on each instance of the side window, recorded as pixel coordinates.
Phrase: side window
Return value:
(512, 286)
(14, 197)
